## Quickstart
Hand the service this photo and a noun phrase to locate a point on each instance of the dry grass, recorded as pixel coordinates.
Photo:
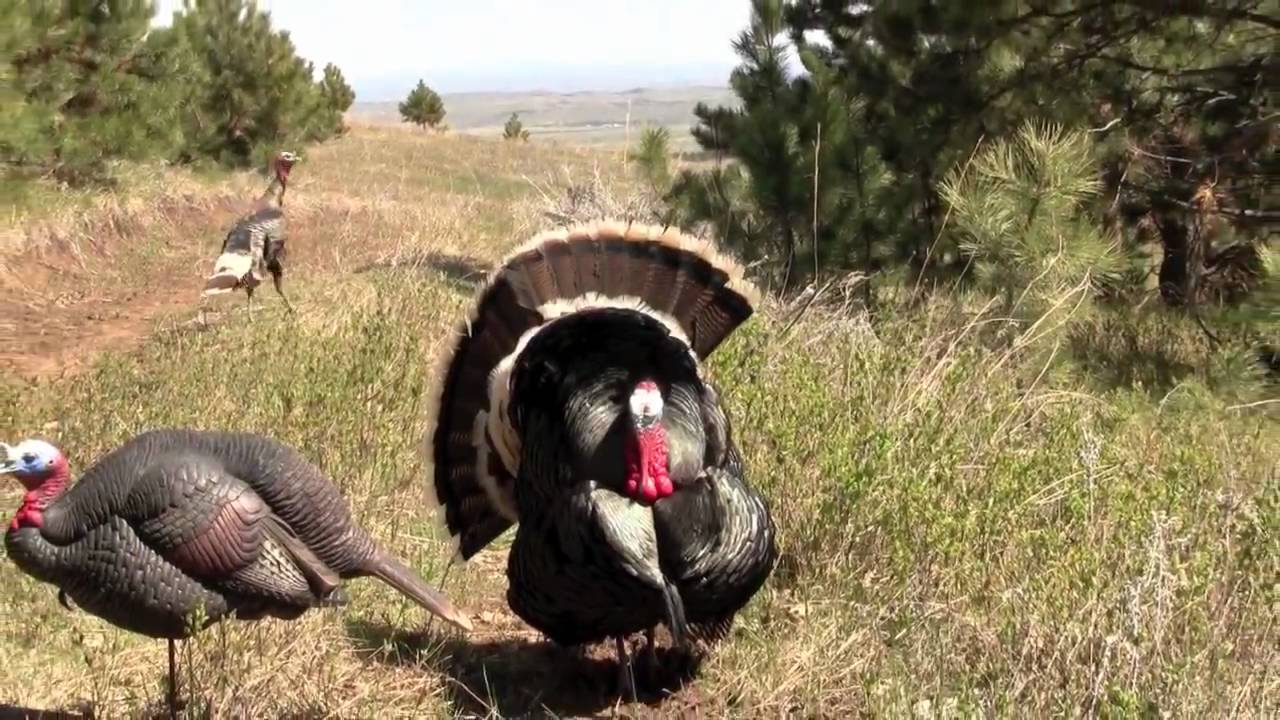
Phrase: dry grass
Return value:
(958, 538)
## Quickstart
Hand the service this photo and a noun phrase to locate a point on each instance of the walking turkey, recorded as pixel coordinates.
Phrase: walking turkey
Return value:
(175, 520)
(574, 404)
(255, 245)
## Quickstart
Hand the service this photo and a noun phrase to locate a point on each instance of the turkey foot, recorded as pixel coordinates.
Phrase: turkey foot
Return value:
(649, 659)
(204, 312)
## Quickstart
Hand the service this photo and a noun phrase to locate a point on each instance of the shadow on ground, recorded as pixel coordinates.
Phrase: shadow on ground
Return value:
(464, 272)
(520, 677)
(16, 712)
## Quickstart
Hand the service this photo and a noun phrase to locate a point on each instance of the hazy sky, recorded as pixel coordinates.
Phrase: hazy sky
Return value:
(384, 46)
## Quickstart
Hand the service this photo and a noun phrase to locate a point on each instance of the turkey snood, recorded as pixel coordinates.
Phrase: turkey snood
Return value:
(648, 479)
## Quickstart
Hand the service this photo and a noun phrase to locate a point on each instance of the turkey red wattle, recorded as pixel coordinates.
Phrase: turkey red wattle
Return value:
(648, 479)
(41, 491)
(284, 164)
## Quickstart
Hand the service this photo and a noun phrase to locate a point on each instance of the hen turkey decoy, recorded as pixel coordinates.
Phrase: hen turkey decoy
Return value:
(574, 403)
(255, 245)
(178, 520)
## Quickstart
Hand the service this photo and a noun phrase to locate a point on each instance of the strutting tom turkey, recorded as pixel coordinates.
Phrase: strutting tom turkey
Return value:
(575, 404)
(175, 520)
(255, 245)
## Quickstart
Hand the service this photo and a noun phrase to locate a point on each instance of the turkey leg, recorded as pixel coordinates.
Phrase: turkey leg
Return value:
(277, 279)
(626, 680)
(249, 291)
(173, 681)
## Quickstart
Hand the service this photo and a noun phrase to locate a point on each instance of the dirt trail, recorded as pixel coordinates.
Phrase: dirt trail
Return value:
(67, 301)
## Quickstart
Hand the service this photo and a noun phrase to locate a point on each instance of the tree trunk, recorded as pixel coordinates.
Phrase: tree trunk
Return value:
(1173, 266)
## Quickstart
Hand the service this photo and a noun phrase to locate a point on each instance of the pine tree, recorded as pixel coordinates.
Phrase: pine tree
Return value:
(87, 82)
(259, 96)
(338, 95)
(842, 166)
(653, 159)
(423, 107)
(800, 196)
(1019, 211)
(514, 129)
(83, 83)
(1177, 94)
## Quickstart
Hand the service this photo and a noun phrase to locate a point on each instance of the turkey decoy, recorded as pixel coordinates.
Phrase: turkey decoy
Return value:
(573, 402)
(255, 245)
(178, 521)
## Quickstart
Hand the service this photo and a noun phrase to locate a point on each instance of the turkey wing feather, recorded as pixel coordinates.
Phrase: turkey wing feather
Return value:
(213, 526)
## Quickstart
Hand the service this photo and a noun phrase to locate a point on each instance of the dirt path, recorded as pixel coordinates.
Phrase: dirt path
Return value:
(65, 303)
(102, 285)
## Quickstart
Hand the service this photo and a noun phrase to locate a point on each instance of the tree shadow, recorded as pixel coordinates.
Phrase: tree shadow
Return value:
(462, 271)
(17, 712)
(518, 676)
(1152, 352)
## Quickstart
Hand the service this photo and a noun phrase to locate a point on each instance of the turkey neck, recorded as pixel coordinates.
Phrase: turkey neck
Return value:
(25, 542)
(273, 196)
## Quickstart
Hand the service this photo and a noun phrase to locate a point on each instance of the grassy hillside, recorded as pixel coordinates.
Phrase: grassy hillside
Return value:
(581, 117)
(960, 535)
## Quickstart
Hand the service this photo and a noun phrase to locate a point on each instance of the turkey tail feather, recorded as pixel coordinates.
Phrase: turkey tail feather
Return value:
(322, 579)
(686, 283)
(217, 284)
(677, 275)
(228, 270)
(466, 470)
(388, 569)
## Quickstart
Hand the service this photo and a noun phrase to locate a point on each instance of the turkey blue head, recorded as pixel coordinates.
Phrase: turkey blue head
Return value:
(31, 461)
(42, 470)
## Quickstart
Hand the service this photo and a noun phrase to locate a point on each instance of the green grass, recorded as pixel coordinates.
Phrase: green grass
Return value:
(957, 539)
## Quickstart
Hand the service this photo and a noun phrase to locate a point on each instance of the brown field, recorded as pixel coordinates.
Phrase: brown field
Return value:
(960, 536)
(582, 118)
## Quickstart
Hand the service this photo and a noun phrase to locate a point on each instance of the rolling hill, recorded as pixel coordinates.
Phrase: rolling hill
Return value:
(580, 117)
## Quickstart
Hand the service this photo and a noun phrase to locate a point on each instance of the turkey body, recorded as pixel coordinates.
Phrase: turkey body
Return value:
(254, 247)
(177, 529)
(535, 427)
(255, 244)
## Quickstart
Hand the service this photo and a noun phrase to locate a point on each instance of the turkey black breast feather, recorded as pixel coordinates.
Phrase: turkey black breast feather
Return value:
(574, 404)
